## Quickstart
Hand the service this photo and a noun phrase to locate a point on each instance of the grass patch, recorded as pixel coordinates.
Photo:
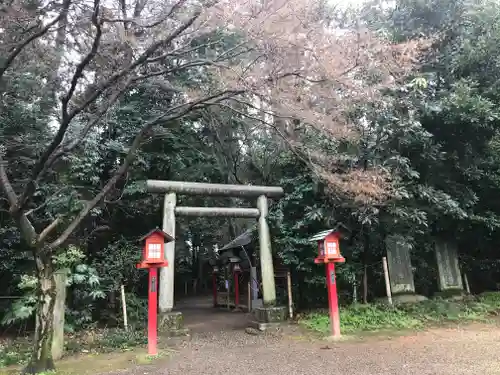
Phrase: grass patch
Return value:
(99, 341)
(145, 359)
(15, 352)
(380, 317)
(105, 341)
(91, 364)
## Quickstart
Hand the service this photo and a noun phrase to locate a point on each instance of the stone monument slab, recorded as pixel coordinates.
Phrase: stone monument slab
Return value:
(399, 262)
(448, 267)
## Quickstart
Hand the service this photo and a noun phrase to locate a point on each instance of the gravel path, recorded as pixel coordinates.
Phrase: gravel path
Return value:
(471, 350)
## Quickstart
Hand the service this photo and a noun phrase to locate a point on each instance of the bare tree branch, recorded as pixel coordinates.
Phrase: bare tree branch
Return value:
(176, 7)
(123, 8)
(19, 48)
(260, 120)
(140, 60)
(298, 75)
(139, 7)
(5, 183)
(45, 203)
(97, 117)
(80, 68)
(27, 229)
(181, 51)
(193, 64)
(179, 111)
(48, 229)
(76, 141)
(49, 102)
(127, 21)
(41, 165)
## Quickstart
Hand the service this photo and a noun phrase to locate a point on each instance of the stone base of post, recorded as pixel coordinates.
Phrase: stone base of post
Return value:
(171, 324)
(268, 317)
(408, 298)
(451, 293)
(402, 298)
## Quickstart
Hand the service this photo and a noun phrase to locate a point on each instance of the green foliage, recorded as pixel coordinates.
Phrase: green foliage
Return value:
(105, 340)
(442, 310)
(24, 307)
(17, 352)
(490, 298)
(374, 317)
(116, 263)
(14, 353)
(86, 289)
(357, 318)
(83, 283)
(137, 311)
(121, 339)
(70, 257)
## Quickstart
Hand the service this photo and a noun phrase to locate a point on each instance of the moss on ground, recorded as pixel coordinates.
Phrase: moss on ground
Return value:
(98, 363)
(90, 352)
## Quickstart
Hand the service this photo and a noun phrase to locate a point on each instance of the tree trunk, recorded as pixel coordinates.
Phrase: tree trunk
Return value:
(41, 359)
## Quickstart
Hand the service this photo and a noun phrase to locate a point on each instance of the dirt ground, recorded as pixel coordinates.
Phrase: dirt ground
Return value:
(219, 346)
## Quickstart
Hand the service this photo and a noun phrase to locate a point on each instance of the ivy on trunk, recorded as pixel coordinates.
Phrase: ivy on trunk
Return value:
(41, 359)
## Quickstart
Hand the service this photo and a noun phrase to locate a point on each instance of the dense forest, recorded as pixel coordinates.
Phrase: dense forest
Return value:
(380, 118)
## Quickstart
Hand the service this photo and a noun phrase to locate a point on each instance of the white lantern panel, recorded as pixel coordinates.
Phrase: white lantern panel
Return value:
(154, 251)
(331, 248)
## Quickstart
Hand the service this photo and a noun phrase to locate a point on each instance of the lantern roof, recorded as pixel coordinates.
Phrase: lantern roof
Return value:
(167, 237)
(243, 239)
(234, 259)
(339, 228)
(321, 235)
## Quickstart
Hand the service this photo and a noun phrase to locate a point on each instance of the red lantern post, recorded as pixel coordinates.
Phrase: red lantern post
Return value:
(236, 271)
(214, 284)
(329, 254)
(152, 310)
(153, 257)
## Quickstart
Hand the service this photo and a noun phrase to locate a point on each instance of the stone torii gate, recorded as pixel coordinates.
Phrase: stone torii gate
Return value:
(168, 319)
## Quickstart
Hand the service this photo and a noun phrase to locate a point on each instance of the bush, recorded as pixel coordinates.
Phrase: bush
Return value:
(374, 317)
(106, 340)
(121, 339)
(491, 299)
(363, 318)
(18, 352)
(14, 353)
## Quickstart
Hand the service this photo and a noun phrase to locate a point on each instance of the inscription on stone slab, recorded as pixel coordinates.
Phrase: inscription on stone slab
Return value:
(448, 266)
(399, 262)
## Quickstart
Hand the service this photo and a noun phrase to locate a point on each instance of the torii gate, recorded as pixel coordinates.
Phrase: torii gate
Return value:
(170, 210)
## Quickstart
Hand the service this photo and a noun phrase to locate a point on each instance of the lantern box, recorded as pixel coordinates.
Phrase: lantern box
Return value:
(328, 246)
(236, 267)
(153, 254)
